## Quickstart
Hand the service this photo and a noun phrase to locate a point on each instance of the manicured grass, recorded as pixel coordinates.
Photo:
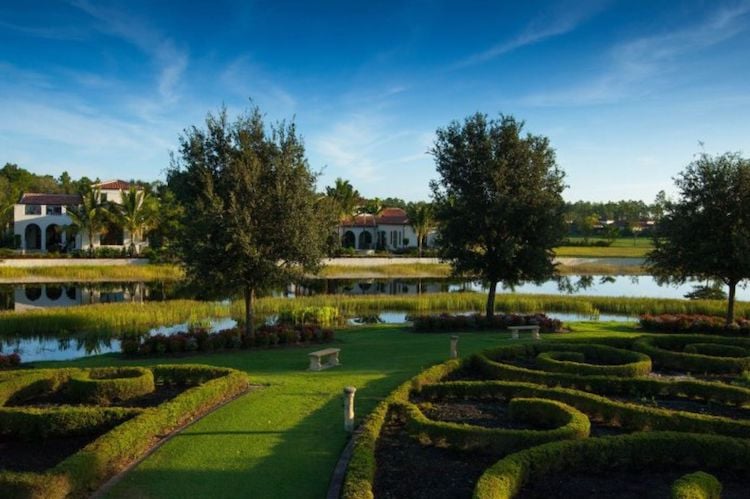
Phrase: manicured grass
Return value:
(82, 273)
(284, 439)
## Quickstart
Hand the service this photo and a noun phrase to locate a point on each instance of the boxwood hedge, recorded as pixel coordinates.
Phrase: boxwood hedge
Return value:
(106, 385)
(698, 485)
(668, 352)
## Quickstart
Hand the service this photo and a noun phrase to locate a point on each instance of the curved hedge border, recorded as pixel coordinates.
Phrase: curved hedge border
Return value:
(629, 416)
(592, 360)
(105, 385)
(565, 421)
(698, 485)
(716, 350)
(505, 479)
(85, 470)
(491, 366)
(666, 351)
(31, 423)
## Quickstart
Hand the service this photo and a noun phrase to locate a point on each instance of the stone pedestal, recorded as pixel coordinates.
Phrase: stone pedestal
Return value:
(349, 408)
(454, 347)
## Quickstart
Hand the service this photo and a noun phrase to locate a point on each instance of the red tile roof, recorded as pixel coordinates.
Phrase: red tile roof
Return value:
(113, 185)
(393, 216)
(361, 220)
(61, 199)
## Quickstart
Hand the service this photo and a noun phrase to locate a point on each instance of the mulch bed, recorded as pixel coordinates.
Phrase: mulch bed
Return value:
(622, 484)
(161, 394)
(407, 470)
(694, 406)
(41, 455)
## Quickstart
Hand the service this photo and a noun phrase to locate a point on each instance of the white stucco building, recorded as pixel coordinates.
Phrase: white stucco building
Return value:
(39, 221)
(388, 230)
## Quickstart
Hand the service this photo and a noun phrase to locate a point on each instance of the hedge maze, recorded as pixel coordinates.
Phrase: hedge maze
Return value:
(63, 432)
(649, 416)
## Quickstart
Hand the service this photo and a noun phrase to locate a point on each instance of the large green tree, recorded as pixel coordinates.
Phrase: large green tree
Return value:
(705, 234)
(498, 201)
(90, 216)
(250, 221)
(422, 221)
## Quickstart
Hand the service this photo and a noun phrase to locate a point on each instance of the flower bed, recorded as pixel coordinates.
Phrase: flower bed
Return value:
(200, 340)
(9, 361)
(694, 323)
(450, 322)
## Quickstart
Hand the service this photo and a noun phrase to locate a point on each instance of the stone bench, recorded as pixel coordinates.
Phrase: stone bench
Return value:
(328, 356)
(517, 329)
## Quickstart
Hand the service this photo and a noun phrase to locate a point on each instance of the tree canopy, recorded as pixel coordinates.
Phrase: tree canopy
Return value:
(250, 217)
(498, 202)
(705, 234)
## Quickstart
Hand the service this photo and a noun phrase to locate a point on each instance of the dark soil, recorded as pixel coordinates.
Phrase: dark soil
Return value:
(622, 484)
(162, 393)
(407, 470)
(17, 455)
(695, 406)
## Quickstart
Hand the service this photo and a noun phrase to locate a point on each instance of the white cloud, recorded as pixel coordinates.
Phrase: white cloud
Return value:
(246, 79)
(636, 66)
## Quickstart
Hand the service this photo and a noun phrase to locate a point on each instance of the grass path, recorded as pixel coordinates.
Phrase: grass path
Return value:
(284, 439)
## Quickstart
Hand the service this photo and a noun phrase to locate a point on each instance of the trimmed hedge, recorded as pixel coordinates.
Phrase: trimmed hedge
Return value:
(698, 485)
(102, 386)
(564, 422)
(694, 323)
(667, 352)
(31, 423)
(30, 384)
(85, 470)
(716, 350)
(590, 360)
(629, 416)
(9, 361)
(639, 451)
(491, 365)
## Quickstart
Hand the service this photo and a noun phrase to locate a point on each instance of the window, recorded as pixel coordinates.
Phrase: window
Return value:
(103, 197)
(54, 209)
(33, 209)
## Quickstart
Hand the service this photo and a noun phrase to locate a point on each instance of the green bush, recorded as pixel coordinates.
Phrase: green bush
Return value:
(667, 352)
(564, 422)
(698, 485)
(103, 386)
(31, 423)
(716, 350)
(639, 451)
(84, 471)
(594, 360)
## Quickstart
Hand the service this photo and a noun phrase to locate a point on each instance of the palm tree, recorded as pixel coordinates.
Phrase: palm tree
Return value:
(90, 216)
(136, 213)
(421, 219)
(345, 196)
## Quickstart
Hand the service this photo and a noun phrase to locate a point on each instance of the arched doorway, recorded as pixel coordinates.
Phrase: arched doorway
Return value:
(348, 240)
(54, 292)
(365, 240)
(33, 237)
(53, 237)
(33, 293)
(113, 236)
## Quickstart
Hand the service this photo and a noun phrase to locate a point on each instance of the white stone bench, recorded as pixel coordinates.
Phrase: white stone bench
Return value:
(517, 329)
(329, 356)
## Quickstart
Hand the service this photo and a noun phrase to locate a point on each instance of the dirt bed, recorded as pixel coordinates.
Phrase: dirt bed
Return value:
(17, 455)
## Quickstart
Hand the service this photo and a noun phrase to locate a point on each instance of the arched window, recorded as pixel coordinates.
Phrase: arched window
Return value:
(53, 237)
(348, 240)
(365, 240)
(33, 237)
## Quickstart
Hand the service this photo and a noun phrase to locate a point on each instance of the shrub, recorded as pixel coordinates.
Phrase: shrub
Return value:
(31, 423)
(594, 360)
(449, 322)
(698, 485)
(105, 385)
(693, 323)
(667, 351)
(716, 350)
(10, 361)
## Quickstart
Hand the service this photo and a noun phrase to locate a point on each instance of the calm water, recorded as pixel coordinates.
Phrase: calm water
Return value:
(22, 298)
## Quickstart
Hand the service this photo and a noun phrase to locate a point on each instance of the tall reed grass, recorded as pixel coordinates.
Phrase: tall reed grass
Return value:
(83, 273)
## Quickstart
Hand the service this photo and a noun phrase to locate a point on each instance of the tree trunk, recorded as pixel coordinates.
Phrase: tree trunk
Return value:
(491, 300)
(249, 301)
(730, 304)
(419, 244)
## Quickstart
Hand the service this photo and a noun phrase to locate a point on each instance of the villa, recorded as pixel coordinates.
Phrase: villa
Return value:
(39, 221)
(388, 230)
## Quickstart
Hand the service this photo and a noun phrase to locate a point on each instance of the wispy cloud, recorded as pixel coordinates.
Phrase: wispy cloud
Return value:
(635, 67)
(246, 79)
(562, 21)
(171, 61)
(48, 32)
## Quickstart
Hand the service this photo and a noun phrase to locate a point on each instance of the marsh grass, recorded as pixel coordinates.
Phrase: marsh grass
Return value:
(390, 270)
(137, 318)
(602, 252)
(81, 273)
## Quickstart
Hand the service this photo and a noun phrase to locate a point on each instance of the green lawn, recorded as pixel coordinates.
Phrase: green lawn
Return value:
(284, 439)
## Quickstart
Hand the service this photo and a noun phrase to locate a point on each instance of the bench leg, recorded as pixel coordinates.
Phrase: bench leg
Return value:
(335, 359)
(535, 335)
(514, 335)
(315, 364)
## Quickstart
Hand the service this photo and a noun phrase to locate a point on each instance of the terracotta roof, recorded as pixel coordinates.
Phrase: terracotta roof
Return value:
(61, 199)
(361, 220)
(113, 185)
(393, 216)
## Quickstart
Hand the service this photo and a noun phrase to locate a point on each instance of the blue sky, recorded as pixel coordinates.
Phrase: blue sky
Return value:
(624, 90)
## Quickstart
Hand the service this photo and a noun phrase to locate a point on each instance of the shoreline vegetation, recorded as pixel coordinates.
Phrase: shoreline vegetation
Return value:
(137, 318)
(170, 272)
